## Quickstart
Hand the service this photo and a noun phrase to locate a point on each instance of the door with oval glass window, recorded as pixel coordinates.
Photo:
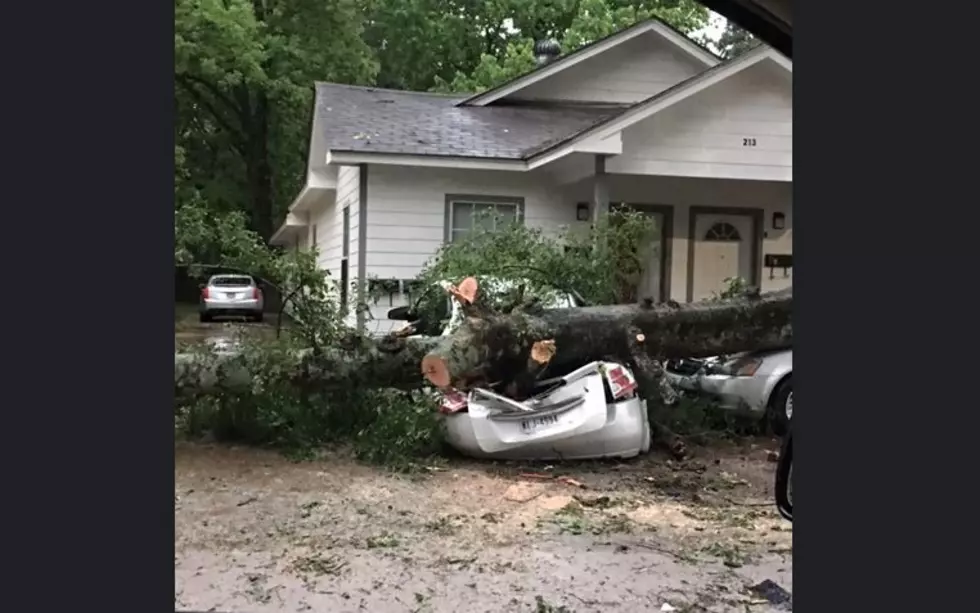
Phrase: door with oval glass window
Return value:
(722, 250)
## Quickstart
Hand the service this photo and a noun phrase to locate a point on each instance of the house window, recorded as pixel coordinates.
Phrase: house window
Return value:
(466, 214)
(722, 232)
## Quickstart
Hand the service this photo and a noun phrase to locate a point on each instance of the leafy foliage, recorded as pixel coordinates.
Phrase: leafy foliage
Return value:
(573, 23)
(735, 41)
(603, 264)
(244, 71)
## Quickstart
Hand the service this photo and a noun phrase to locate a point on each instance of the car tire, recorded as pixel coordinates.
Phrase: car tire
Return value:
(258, 317)
(204, 317)
(778, 417)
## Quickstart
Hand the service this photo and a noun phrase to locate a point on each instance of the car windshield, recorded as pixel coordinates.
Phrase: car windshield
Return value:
(230, 281)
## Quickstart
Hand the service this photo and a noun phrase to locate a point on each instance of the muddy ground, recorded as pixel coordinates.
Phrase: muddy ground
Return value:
(256, 532)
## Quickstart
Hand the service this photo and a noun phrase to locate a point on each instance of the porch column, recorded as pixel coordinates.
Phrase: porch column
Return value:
(600, 189)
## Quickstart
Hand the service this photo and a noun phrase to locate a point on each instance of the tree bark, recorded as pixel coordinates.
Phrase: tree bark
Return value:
(495, 349)
(389, 362)
(258, 168)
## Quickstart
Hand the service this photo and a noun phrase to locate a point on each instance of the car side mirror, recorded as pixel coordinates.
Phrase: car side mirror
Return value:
(402, 313)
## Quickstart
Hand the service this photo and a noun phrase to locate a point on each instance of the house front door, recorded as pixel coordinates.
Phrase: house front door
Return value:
(722, 250)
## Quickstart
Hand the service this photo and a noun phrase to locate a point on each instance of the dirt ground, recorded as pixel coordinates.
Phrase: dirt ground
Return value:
(256, 532)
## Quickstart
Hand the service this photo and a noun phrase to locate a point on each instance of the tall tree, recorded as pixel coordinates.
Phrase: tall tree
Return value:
(244, 71)
(572, 23)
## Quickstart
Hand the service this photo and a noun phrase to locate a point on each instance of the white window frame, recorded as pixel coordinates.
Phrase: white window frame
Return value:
(452, 200)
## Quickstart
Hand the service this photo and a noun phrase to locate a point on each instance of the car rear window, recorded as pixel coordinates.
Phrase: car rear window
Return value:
(228, 281)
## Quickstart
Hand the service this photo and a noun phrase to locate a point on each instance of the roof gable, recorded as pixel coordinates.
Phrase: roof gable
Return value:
(662, 100)
(653, 27)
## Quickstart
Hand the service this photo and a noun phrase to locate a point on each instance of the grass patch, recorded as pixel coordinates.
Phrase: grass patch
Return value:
(385, 540)
(730, 554)
(574, 519)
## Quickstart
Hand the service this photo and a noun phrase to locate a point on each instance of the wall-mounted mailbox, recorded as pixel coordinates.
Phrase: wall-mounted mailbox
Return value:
(779, 260)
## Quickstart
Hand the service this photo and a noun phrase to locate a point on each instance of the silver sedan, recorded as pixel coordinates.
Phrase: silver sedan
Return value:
(231, 295)
(759, 382)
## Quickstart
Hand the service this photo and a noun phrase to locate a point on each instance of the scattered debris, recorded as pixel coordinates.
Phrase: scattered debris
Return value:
(772, 456)
(569, 481)
(772, 592)
(667, 607)
(249, 500)
(540, 476)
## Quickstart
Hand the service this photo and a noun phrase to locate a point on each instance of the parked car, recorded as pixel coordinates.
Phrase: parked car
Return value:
(755, 382)
(231, 295)
(590, 413)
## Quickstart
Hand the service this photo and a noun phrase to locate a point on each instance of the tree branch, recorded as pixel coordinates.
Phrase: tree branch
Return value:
(238, 136)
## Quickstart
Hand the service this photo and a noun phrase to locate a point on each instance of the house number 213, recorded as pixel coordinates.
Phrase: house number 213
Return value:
(748, 142)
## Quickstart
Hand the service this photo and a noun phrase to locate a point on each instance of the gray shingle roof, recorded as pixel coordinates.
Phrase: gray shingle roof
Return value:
(366, 119)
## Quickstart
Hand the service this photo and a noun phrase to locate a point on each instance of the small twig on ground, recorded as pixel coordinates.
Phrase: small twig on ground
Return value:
(748, 503)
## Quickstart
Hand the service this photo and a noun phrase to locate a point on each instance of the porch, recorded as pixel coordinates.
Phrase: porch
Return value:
(707, 230)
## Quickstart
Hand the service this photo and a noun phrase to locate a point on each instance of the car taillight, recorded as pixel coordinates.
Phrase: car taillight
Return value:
(205, 293)
(256, 293)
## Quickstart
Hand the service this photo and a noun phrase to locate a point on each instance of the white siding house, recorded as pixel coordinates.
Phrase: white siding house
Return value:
(645, 118)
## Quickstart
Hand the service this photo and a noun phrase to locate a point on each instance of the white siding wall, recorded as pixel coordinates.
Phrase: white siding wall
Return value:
(407, 208)
(406, 217)
(705, 135)
(637, 69)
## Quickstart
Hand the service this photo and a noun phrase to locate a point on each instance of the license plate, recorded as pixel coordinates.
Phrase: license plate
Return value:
(530, 425)
(231, 296)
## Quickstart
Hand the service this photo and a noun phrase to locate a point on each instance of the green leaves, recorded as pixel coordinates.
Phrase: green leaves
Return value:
(574, 23)
(603, 264)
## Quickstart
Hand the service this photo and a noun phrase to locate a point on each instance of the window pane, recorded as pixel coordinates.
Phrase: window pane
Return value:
(483, 216)
(457, 234)
(462, 215)
(505, 214)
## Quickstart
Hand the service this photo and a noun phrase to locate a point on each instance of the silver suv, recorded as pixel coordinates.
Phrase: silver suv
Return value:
(231, 295)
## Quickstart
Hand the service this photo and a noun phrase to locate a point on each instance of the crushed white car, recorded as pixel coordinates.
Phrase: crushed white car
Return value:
(590, 413)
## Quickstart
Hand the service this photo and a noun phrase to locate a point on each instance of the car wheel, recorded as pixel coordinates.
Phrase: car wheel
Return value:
(781, 407)
(204, 317)
(258, 317)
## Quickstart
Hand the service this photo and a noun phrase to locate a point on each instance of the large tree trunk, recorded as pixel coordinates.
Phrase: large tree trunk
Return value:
(510, 350)
(258, 168)
(388, 362)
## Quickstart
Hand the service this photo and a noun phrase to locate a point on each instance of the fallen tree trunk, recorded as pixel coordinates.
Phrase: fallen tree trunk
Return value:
(388, 362)
(511, 350)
